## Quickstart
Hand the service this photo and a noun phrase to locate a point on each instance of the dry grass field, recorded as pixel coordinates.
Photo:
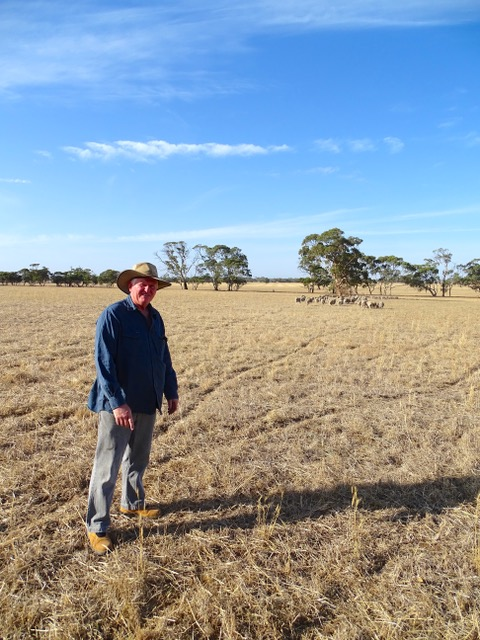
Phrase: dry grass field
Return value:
(322, 479)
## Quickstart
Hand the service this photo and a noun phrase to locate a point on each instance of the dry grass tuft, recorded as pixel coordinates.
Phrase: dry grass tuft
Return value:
(321, 480)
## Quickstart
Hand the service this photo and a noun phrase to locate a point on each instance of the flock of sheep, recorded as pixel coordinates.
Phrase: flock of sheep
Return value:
(362, 301)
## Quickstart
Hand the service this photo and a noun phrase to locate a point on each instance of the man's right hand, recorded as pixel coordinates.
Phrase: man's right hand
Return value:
(123, 417)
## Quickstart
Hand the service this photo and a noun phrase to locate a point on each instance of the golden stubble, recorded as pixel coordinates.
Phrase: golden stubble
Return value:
(319, 481)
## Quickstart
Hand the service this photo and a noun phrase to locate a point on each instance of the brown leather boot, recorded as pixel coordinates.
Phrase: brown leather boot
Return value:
(100, 544)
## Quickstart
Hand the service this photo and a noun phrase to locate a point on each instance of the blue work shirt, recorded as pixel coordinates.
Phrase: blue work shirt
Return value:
(132, 361)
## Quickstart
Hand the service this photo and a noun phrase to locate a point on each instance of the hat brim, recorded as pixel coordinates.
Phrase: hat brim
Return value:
(125, 276)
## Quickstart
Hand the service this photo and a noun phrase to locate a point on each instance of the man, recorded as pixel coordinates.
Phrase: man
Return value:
(134, 372)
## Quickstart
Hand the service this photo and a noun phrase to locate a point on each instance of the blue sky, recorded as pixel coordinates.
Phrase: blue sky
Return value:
(125, 125)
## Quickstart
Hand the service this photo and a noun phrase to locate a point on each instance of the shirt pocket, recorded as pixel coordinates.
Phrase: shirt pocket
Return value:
(132, 342)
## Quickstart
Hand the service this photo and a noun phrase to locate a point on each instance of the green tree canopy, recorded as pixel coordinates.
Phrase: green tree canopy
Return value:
(471, 277)
(388, 270)
(175, 256)
(331, 259)
(423, 277)
(443, 260)
(223, 264)
(108, 277)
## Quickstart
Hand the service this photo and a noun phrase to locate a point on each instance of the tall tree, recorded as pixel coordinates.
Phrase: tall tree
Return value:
(389, 270)
(210, 265)
(223, 264)
(80, 277)
(175, 256)
(443, 259)
(236, 269)
(471, 277)
(331, 257)
(40, 276)
(108, 277)
(423, 277)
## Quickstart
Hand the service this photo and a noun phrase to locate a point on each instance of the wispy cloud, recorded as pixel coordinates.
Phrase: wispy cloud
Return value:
(170, 49)
(358, 145)
(441, 213)
(361, 145)
(43, 154)
(367, 14)
(325, 171)
(472, 139)
(287, 227)
(450, 123)
(328, 144)
(15, 180)
(395, 145)
(160, 150)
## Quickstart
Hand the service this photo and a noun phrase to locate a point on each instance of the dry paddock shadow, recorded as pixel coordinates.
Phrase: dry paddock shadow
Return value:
(402, 503)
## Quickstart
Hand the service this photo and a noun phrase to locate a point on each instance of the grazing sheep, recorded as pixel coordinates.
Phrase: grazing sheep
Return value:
(375, 304)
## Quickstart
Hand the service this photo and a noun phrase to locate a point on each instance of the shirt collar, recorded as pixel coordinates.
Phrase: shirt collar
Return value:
(131, 305)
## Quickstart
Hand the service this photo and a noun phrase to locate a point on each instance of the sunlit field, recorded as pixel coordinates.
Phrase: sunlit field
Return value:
(320, 481)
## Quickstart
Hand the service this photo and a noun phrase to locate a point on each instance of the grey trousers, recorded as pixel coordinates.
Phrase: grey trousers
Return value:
(118, 446)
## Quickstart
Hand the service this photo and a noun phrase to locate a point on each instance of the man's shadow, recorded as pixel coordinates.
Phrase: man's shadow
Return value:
(245, 511)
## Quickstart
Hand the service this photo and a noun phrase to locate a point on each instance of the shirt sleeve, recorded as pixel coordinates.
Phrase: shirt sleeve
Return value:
(106, 345)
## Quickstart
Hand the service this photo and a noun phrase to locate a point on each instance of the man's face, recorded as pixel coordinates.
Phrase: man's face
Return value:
(142, 291)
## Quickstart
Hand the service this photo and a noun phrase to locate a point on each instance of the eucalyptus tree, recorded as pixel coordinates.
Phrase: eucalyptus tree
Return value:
(236, 270)
(109, 277)
(424, 277)
(334, 260)
(79, 277)
(471, 277)
(389, 271)
(40, 276)
(175, 256)
(10, 277)
(223, 264)
(434, 275)
(443, 260)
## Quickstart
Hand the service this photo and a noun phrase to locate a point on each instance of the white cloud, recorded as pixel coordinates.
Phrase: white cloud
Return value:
(365, 13)
(449, 124)
(160, 149)
(15, 180)
(291, 227)
(170, 49)
(328, 144)
(288, 228)
(442, 213)
(395, 145)
(358, 145)
(472, 139)
(323, 170)
(361, 145)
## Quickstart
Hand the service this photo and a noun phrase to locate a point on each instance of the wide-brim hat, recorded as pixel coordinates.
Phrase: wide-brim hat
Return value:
(140, 270)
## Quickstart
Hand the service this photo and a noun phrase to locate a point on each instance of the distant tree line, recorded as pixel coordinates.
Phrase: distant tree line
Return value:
(334, 261)
(330, 260)
(74, 277)
(216, 265)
